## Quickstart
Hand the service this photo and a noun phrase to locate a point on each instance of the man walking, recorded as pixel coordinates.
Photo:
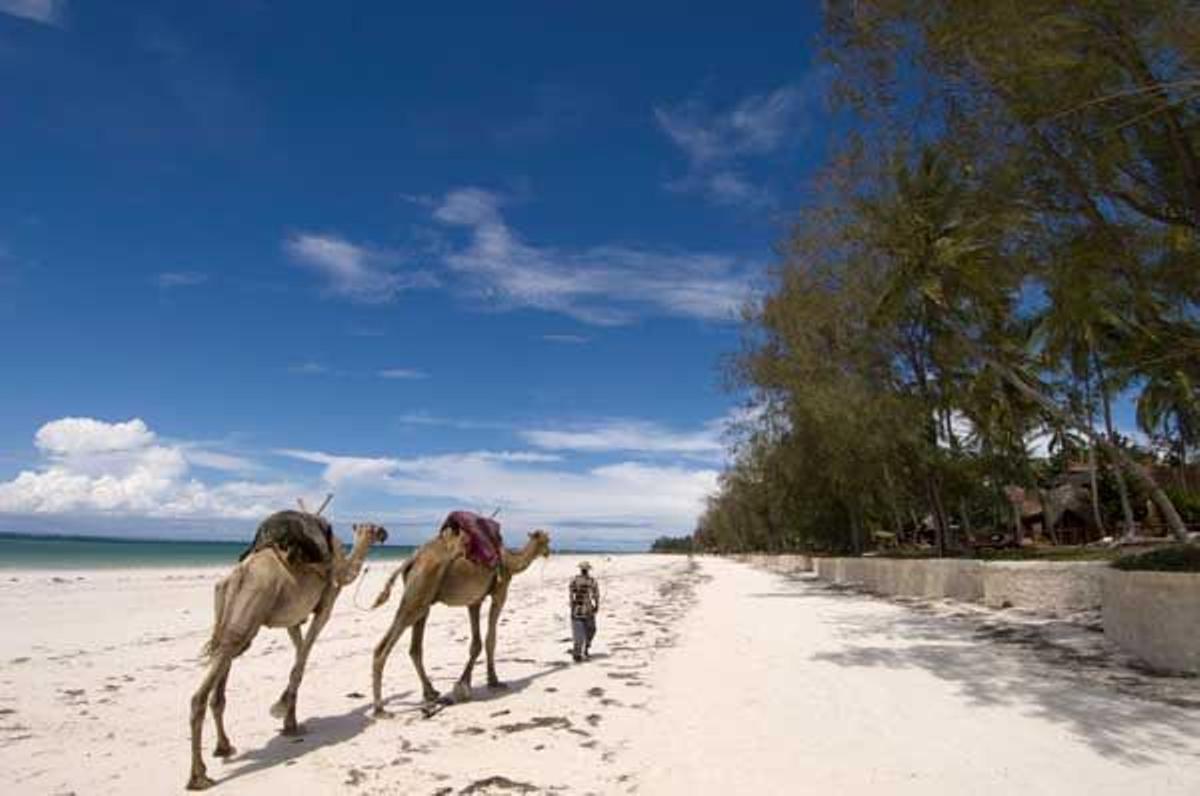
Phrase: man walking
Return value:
(585, 602)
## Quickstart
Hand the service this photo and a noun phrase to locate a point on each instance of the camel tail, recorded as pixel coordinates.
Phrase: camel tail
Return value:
(386, 594)
(222, 597)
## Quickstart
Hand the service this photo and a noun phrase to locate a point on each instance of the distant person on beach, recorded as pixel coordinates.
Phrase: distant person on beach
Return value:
(585, 602)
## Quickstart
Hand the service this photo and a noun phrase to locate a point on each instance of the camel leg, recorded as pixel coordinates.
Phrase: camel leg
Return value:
(217, 704)
(280, 708)
(463, 689)
(406, 615)
(494, 608)
(303, 650)
(416, 651)
(217, 670)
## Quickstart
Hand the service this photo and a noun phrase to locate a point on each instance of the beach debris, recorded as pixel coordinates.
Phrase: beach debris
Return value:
(497, 783)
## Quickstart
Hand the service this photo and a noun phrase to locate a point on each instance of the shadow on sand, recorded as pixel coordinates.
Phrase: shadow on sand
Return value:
(318, 732)
(321, 731)
(992, 662)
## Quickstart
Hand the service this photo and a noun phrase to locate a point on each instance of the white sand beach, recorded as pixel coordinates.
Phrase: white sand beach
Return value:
(708, 678)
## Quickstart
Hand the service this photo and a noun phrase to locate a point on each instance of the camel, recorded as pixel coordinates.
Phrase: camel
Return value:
(271, 588)
(430, 578)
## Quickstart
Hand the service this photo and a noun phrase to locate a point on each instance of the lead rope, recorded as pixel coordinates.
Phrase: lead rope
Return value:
(358, 588)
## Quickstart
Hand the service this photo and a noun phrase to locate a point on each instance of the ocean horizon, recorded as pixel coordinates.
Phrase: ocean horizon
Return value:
(75, 551)
(35, 551)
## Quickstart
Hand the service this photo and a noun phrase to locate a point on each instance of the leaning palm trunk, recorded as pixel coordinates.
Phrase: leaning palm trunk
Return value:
(1164, 504)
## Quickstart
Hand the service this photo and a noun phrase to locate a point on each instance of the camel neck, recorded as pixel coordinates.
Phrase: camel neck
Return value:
(519, 560)
(348, 567)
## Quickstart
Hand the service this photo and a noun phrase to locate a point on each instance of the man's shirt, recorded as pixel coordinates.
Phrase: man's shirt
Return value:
(585, 595)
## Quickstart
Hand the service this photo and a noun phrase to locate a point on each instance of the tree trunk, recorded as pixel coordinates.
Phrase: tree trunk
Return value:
(939, 511)
(1095, 485)
(1122, 488)
(1093, 477)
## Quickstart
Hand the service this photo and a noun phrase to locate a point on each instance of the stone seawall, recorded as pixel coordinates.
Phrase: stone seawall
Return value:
(1053, 587)
(1044, 586)
(1155, 616)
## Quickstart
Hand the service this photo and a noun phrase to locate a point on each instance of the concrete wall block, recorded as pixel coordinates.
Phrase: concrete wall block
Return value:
(1154, 616)
(1048, 586)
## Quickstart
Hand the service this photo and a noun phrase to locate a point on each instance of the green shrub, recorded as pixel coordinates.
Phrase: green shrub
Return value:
(1178, 558)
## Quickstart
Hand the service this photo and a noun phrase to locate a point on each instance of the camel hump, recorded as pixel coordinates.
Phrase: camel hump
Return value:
(483, 540)
(301, 537)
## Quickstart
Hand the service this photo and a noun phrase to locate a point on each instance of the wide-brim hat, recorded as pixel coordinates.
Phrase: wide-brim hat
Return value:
(585, 566)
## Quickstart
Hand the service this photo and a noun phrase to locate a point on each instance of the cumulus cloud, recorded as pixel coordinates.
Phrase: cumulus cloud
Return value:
(122, 468)
(718, 143)
(350, 270)
(79, 435)
(47, 12)
(604, 285)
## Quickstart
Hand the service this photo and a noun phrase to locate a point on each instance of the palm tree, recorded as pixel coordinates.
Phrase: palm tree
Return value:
(1169, 407)
(944, 250)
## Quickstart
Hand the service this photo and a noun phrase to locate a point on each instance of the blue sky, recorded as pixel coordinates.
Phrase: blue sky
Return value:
(250, 251)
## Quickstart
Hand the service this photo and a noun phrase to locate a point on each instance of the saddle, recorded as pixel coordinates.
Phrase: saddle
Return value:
(302, 538)
(483, 541)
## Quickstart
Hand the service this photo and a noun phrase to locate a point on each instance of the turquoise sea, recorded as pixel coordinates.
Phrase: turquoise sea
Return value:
(19, 551)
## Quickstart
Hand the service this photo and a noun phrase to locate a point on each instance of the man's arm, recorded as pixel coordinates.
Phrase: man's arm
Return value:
(596, 595)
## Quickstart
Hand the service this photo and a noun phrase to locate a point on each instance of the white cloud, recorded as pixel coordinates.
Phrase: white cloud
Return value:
(48, 12)
(599, 285)
(216, 460)
(574, 339)
(716, 142)
(629, 435)
(80, 435)
(402, 373)
(629, 499)
(170, 279)
(342, 469)
(96, 467)
(350, 270)
(308, 369)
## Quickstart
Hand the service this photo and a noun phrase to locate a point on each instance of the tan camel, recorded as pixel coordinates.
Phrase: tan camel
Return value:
(266, 590)
(429, 577)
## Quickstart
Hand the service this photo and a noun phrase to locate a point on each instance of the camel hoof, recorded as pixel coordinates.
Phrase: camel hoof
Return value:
(462, 692)
(224, 751)
(200, 782)
(432, 696)
(292, 730)
(380, 713)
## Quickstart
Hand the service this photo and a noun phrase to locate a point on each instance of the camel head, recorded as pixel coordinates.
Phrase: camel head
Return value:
(370, 533)
(541, 543)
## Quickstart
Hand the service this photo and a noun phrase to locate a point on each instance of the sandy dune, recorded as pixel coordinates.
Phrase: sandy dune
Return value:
(709, 678)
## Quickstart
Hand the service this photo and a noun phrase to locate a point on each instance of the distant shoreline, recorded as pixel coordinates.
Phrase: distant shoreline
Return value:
(80, 551)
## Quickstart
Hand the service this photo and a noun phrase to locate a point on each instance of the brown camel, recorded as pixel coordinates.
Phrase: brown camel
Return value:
(430, 577)
(272, 589)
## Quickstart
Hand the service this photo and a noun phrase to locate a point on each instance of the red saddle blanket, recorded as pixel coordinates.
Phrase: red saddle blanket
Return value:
(483, 536)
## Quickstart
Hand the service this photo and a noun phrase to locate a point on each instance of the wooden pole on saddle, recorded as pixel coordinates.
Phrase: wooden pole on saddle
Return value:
(317, 513)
